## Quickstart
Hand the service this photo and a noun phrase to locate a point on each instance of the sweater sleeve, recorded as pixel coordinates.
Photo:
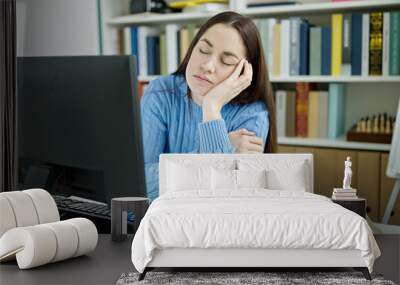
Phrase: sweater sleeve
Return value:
(214, 138)
(255, 119)
(154, 133)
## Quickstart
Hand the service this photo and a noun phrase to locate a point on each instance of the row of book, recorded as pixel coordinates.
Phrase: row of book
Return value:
(158, 52)
(354, 44)
(311, 113)
(360, 44)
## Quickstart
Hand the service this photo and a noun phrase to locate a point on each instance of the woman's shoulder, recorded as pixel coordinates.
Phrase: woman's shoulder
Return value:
(170, 84)
(165, 89)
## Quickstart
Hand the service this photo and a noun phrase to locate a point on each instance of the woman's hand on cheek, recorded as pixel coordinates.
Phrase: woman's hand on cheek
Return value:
(231, 87)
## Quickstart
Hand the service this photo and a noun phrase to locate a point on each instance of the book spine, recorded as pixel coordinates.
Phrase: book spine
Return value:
(294, 46)
(336, 61)
(356, 43)
(365, 45)
(394, 62)
(346, 45)
(150, 55)
(285, 47)
(313, 114)
(304, 48)
(323, 114)
(134, 46)
(290, 113)
(281, 112)
(336, 110)
(375, 43)
(386, 44)
(270, 46)
(276, 64)
(302, 90)
(315, 51)
(172, 48)
(326, 46)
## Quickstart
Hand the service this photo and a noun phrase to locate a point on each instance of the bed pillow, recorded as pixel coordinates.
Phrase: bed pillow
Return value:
(293, 178)
(223, 179)
(181, 177)
(251, 178)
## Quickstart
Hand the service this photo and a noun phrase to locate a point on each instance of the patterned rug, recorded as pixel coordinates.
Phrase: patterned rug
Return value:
(242, 278)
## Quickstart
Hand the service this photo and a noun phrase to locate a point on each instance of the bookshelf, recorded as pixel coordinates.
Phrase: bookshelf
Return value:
(371, 88)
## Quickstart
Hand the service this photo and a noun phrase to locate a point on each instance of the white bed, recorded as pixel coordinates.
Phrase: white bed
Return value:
(201, 220)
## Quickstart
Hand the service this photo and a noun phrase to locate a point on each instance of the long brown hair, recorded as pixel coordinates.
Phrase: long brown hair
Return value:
(260, 87)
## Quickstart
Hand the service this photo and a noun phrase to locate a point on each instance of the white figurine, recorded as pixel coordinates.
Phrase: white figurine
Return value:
(347, 174)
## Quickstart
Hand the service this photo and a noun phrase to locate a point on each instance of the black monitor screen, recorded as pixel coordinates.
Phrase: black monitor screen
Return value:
(79, 126)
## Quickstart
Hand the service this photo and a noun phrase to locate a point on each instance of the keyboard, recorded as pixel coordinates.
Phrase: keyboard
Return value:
(86, 208)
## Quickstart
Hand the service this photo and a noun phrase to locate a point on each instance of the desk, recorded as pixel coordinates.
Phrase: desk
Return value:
(102, 266)
(111, 259)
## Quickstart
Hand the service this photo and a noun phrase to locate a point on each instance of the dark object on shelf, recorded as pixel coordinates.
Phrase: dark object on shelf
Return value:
(352, 135)
(358, 205)
(155, 6)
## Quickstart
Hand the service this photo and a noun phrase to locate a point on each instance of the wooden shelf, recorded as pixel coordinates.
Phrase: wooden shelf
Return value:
(158, 19)
(329, 7)
(338, 143)
(355, 79)
(281, 10)
(326, 79)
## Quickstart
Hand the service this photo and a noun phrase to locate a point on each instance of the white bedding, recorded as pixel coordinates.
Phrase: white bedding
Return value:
(252, 218)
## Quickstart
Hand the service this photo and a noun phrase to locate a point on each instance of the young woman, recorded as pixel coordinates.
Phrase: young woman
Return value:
(218, 101)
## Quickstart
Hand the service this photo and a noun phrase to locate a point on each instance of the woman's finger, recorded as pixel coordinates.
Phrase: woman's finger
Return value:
(255, 147)
(256, 140)
(235, 74)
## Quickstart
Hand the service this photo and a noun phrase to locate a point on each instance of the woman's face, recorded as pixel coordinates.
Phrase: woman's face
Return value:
(214, 58)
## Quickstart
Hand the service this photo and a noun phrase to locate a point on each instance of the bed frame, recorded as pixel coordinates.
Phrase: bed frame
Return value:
(246, 258)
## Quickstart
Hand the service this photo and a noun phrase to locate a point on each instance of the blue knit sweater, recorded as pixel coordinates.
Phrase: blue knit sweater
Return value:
(172, 123)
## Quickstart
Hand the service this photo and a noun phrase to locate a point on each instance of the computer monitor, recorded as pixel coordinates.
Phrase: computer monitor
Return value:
(79, 127)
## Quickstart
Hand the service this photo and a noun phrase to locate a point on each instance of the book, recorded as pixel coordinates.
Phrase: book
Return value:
(394, 62)
(356, 43)
(313, 114)
(304, 48)
(270, 44)
(336, 197)
(153, 55)
(127, 41)
(346, 45)
(295, 45)
(341, 190)
(276, 63)
(302, 91)
(184, 43)
(281, 112)
(336, 55)
(365, 45)
(326, 38)
(375, 43)
(285, 48)
(142, 33)
(171, 34)
(323, 114)
(290, 113)
(386, 43)
(336, 105)
(315, 50)
(163, 55)
(134, 46)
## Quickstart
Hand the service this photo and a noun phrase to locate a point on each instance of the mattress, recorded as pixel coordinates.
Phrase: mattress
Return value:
(251, 219)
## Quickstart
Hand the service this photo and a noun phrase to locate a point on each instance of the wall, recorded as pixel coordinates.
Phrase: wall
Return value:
(57, 27)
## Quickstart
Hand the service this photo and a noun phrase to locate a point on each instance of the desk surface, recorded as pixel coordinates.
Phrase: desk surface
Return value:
(102, 266)
(110, 259)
